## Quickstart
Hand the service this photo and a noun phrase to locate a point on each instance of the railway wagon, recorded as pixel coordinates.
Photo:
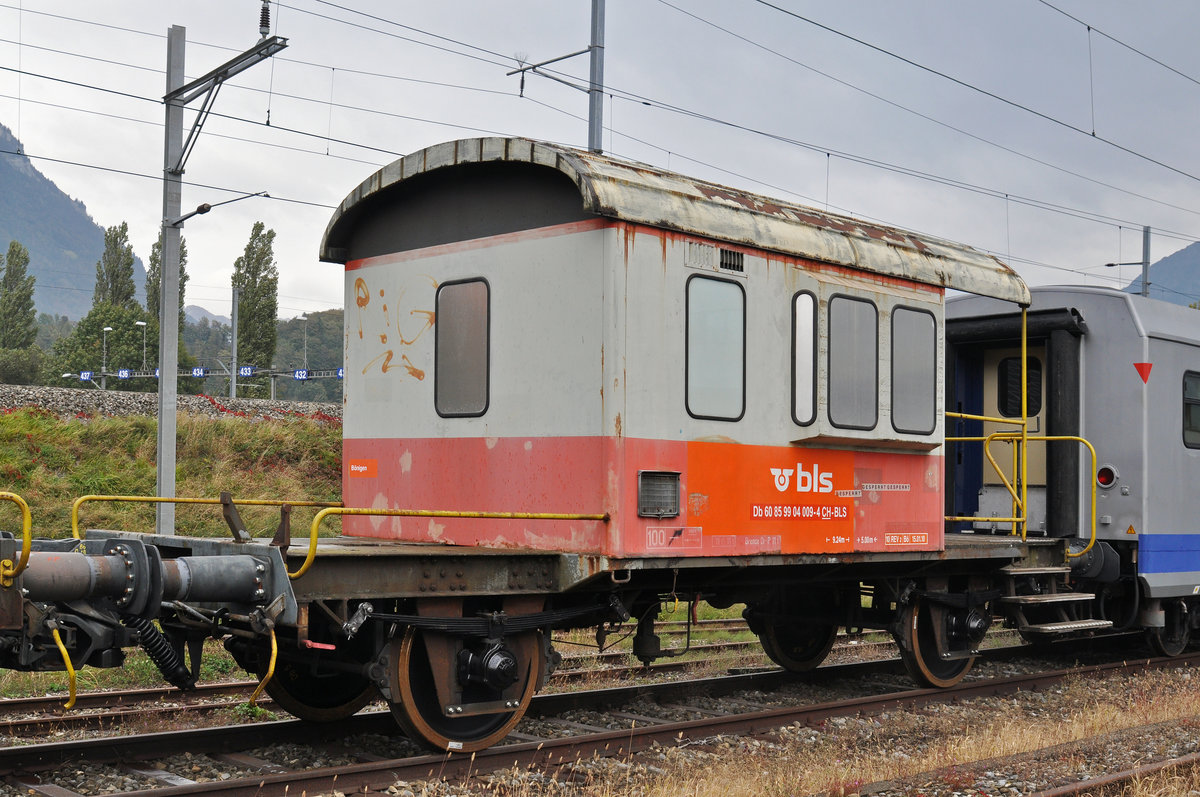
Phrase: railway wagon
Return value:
(1123, 372)
(578, 387)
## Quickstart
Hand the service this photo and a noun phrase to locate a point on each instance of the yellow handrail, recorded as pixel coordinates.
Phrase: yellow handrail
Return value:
(341, 510)
(1010, 436)
(8, 571)
(139, 499)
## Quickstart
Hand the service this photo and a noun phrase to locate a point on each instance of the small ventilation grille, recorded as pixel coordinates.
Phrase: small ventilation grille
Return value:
(733, 261)
(658, 494)
(701, 255)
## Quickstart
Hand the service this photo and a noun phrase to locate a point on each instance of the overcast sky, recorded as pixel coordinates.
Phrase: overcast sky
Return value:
(1008, 125)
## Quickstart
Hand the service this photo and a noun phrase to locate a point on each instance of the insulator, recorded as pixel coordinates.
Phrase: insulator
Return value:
(264, 19)
(160, 652)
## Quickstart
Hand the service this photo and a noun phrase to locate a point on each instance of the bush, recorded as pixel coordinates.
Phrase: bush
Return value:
(20, 366)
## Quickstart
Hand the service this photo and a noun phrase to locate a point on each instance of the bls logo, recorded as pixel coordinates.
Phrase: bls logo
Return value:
(806, 482)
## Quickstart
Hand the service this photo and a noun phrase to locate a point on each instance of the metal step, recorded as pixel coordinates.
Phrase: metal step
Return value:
(1017, 570)
(1068, 627)
(1047, 597)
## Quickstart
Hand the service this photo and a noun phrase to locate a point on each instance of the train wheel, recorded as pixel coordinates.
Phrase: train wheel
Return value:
(1173, 637)
(797, 647)
(419, 712)
(319, 698)
(920, 651)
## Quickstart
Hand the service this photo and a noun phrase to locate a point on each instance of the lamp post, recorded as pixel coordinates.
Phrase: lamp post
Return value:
(1144, 263)
(104, 360)
(142, 324)
(304, 318)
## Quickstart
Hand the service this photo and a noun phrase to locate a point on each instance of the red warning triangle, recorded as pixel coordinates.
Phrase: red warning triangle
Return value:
(1143, 370)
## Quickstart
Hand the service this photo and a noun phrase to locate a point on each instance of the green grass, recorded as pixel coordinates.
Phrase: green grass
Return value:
(51, 461)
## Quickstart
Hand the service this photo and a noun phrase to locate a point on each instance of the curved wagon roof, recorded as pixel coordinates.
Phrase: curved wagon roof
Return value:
(643, 194)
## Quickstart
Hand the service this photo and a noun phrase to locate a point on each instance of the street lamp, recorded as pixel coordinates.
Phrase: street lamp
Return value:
(104, 360)
(142, 324)
(1144, 262)
(304, 318)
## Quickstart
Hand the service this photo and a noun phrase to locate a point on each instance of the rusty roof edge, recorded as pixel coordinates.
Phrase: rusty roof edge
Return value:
(649, 195)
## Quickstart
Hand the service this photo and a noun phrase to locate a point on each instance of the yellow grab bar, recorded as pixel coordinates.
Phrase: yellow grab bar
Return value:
(9, 571)
(141, 499)
(341, 510)
(1011, 436)
(62, 649)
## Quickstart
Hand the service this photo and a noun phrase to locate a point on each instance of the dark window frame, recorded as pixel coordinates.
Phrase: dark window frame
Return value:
(1033, 397)
(829, 370)
(1186, 403)
(437, 327)
(687, 348)
(934, 403)
(816, 305)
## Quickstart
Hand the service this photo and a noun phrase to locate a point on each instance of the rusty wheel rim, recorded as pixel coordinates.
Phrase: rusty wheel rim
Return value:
(919, 650)
(415, 704)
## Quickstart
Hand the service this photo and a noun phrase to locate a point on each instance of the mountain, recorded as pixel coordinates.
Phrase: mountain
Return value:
(195, 314)
(64, 242)
(1175, 278)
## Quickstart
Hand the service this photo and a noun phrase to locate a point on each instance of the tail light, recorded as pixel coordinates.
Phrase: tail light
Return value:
(1106, 476)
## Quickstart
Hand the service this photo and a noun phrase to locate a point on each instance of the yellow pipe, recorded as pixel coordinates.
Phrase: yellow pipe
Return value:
(968, 416)
(258, 690)
(7, 570)
(341, 510)
(141, 499)
(1024, 421)
(70, 670)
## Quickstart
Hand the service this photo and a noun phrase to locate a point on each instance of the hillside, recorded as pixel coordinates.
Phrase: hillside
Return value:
(64, 242)
(1175, 278)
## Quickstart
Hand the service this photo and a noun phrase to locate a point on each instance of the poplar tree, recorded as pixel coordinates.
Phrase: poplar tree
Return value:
(154, 277)
(114, 270)
(18, 318)
(256, 278)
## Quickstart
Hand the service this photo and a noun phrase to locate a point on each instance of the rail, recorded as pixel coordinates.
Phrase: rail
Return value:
(138, 499)
(8, 570)
(436, 513)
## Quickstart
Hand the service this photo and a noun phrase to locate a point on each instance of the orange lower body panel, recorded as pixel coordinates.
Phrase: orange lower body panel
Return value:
(735, 499)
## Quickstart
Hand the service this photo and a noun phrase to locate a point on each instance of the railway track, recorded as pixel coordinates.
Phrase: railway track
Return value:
(363, 753)
(33, 716)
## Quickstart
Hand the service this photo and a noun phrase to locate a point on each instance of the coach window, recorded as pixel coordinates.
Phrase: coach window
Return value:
(1191, 409)
(716, 349)
(1008, 385)
(460, 360)
(804, 358)
(853, 363)
(914, 371)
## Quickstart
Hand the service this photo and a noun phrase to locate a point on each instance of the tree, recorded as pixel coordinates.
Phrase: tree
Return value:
(256, 279)
(154, 277)
(18, 319)
(114, 271)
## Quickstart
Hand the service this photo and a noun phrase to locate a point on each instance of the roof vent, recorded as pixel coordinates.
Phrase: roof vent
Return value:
(733, 261)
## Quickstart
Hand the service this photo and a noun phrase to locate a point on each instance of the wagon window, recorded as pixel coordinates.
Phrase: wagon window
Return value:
(460, 374)
(716, 349)
(1191, 409)
(853, 363)
(1009, 387)
(804, 358)
(914, 371)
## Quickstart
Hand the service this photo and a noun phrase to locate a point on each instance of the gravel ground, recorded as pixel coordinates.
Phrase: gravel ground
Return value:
(72, 402)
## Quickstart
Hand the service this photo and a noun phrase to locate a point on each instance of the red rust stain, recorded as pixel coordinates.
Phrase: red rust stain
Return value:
(383, 339)
(387, 360)
(362, 297)
(413, 370)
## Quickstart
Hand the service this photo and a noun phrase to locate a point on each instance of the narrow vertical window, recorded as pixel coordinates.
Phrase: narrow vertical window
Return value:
(716, 349)
(1191, 409)
(914, 371)
(804, 358)
(853, 363)
(460, 372)
(1008, 386)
